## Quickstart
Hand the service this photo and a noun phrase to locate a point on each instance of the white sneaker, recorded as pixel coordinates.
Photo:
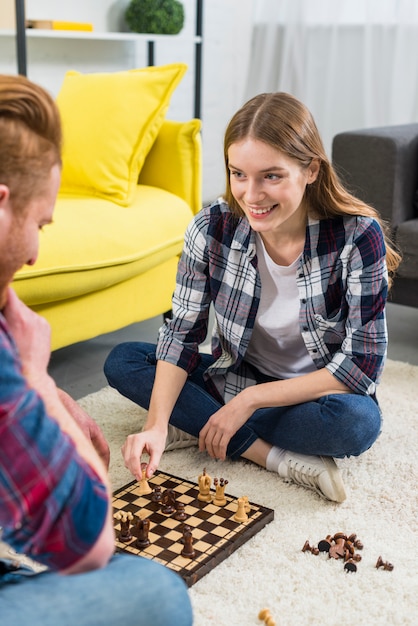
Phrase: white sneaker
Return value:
(319, 473)
(177, 438)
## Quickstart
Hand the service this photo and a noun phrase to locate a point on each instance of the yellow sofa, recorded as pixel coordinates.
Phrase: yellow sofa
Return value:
(107, 263)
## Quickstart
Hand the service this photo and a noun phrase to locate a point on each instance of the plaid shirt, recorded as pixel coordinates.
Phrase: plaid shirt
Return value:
(52, 505)
(342, 283)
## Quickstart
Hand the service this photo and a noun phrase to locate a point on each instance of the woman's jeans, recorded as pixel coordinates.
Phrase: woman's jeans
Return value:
(130, 591)
(336, 425)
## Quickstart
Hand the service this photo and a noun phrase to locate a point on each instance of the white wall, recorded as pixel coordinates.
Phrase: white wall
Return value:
(226, 49)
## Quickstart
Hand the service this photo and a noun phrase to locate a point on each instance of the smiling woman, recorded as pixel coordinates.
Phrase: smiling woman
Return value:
(296, 269)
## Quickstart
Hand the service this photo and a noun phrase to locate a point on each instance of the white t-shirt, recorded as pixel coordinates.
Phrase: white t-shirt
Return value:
(276, 347)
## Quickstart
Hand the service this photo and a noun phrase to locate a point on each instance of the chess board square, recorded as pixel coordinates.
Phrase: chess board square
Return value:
(206, 526)
(202, 546)
(174, 535)
(169, 522)
(216, 520)
(185, 498)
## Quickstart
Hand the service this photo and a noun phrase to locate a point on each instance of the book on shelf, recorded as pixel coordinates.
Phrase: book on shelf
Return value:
(58, 25)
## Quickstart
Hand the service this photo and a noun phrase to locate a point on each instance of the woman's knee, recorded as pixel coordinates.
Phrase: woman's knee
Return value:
(125, 358)
(360, 423)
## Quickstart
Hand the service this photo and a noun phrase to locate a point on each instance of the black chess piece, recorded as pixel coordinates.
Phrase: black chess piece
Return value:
(156, 495)
(142, 530)
(188, 550)
(168, 501)
(180, 514)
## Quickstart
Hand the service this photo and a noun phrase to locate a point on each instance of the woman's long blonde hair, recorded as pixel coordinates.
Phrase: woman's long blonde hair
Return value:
(283, 122)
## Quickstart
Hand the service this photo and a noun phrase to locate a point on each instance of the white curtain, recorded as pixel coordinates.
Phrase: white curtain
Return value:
(354, 63)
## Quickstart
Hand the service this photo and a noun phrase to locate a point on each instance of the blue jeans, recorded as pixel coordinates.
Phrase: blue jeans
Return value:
(336, 425)
(131, 590)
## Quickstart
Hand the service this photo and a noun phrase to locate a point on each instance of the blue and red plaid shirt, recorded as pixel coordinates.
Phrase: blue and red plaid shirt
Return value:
(342, 282)
(52, 505)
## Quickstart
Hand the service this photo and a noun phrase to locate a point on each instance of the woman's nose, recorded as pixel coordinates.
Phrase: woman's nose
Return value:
(253, 191)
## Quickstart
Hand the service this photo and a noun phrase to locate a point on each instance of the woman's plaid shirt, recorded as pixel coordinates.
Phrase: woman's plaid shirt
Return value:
(342, 282)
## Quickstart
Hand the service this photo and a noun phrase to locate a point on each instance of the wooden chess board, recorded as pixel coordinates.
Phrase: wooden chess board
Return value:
(216, 535)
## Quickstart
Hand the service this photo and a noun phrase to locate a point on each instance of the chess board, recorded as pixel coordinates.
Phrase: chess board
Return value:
(216, 535)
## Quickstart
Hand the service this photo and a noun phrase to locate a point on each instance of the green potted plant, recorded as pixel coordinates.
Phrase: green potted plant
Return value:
(163, 17)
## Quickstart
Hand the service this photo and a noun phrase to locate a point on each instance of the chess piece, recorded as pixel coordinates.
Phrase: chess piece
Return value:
(385, 564)
(241, 516)
(337, 550)
(350, 566)
(308, 548)
(355, 541)
(188, 550)
(219, 499)
(144, 487)
(168, 501)
(265, 616)
(142, 530)
(204, 482)
(180, 514)
(247, 505)
(186, 528)
(156, 494)
(125, 519)
(325, 544)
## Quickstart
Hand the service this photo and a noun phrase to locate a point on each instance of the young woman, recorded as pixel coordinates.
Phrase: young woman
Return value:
(296, 269)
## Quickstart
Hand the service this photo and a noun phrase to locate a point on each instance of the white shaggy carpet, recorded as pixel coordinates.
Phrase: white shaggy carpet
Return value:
(271, 570)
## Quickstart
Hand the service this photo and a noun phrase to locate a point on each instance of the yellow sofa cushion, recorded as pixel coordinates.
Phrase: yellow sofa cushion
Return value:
(110, 121)
(92, 244)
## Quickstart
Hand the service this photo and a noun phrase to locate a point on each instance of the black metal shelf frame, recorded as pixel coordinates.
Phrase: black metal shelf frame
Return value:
(21, 50)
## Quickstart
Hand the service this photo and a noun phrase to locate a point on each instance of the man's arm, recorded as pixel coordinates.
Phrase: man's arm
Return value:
(89, 427)
(32, 337)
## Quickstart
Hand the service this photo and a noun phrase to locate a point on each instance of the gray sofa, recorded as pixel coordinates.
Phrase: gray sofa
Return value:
(380, 166)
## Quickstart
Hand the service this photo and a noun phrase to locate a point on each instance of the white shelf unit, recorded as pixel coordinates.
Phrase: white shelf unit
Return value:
(150, 40)
(92, 35)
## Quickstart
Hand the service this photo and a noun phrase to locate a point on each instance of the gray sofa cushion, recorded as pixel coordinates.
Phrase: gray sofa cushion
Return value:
(407, 239)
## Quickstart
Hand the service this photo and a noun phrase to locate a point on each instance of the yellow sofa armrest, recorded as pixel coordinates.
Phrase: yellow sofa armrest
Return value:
(174, 163)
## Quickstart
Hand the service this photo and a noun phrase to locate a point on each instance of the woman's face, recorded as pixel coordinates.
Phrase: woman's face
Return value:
(268, 185)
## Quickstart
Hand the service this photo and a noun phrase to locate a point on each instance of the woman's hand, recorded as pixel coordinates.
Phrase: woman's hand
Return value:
(150, 442)
(222, 425)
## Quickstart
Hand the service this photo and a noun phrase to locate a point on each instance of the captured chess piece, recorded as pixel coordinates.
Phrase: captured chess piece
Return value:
(188, 550)
(219, 499)
(266, 617)
(384, 564)
(125, 519)
(141, 531)
(337, 550)
(308, 548)
(204, 482)
(325, 544)
(241, 516)
(350, 566)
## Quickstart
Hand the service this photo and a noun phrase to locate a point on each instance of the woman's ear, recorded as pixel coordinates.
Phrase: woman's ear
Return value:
(313, 170)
